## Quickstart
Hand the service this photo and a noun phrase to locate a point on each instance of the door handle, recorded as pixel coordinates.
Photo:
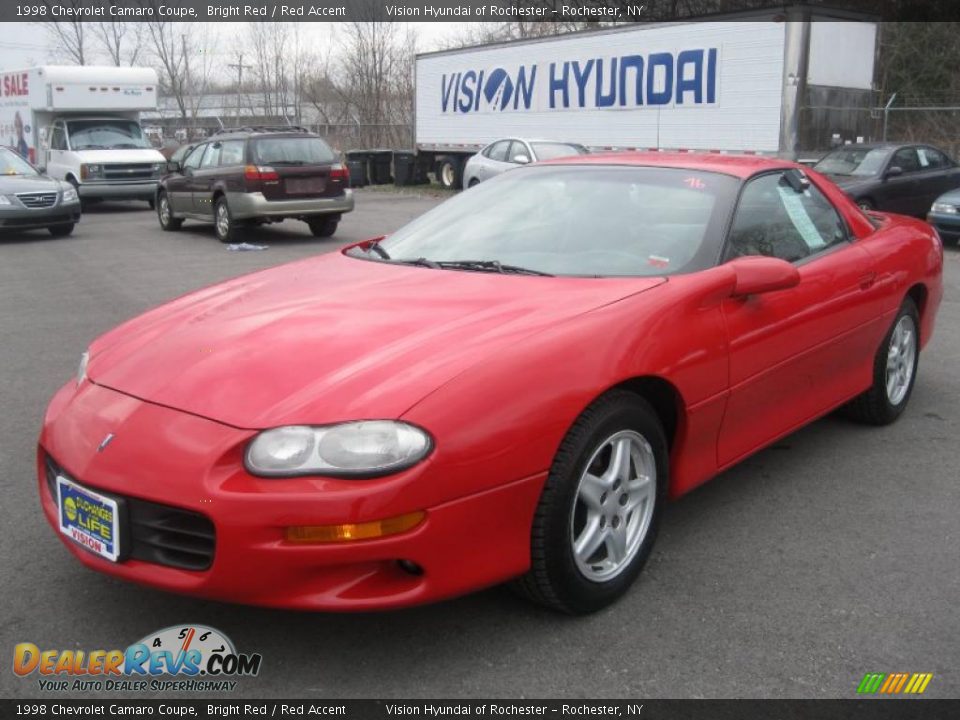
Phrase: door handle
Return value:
(867, 280)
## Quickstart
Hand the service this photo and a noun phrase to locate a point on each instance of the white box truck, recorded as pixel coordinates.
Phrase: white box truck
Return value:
(791, 83)
(82, 125)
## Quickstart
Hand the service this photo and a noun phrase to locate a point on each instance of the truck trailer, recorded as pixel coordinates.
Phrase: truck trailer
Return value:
(790, 82)
(82, 125)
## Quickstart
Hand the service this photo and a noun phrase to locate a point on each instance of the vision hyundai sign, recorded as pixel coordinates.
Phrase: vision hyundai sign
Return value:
(683, 78)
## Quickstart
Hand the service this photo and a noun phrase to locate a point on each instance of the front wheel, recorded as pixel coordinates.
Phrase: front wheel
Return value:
(165, 214)
(60, 230)
(597, 518)
(894, 371)
(226, 229)
(323, 228)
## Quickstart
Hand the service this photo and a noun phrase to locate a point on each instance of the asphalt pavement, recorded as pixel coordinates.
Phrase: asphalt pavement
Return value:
(832, 554)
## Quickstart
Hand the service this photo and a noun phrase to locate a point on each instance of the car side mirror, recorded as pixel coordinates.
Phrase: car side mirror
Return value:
(521, 159)
(756, 275)
(173, 166)
(895, 171)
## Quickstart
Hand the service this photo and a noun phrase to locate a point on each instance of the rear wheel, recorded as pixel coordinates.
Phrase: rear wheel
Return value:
(323, 228)
(450, 173)
(165, 215)
(60, 230)
(597, 518)
(894, 371)
(223, 222)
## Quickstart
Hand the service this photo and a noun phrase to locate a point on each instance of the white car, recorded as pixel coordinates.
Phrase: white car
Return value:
(502, 155)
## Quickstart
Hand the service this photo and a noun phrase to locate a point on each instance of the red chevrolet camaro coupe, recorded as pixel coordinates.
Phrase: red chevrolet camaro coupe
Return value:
(508, 388)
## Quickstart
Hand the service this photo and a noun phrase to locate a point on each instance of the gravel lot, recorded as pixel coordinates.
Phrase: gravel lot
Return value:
(834, 553)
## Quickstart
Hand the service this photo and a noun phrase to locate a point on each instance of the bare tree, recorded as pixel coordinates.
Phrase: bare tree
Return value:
(122, 41)
(376, 79)
(70, 39)
(185, 62)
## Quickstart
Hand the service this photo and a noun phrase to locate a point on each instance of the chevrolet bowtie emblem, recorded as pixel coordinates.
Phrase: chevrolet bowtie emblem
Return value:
(106, 441)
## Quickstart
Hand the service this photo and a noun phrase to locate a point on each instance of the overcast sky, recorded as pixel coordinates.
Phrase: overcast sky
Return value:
(25, 44)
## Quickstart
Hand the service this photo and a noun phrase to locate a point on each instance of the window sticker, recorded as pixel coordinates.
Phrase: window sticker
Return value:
(924, 160)
(797, 213)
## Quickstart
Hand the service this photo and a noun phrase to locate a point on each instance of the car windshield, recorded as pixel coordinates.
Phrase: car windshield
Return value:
(550, 150)
(106, 135)
(292, 151)
(13, 164)
(572, 220)
(862, 162)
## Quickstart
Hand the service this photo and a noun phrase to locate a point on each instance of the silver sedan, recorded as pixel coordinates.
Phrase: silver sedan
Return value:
(502, 155)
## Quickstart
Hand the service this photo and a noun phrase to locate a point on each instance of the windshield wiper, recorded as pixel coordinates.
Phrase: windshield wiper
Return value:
(421, 261)
(489, 266)
(375, 246)
(91, 147)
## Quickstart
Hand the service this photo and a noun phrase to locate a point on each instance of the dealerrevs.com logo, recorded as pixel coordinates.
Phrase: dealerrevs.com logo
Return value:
(177, 658)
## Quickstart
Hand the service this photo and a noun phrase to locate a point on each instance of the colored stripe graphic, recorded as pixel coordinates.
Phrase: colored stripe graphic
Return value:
(894, 683)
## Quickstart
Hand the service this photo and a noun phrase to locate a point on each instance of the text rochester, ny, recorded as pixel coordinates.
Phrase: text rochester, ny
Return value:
(515, 11)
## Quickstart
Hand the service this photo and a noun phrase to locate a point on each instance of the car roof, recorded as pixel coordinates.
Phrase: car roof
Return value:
(741, 166)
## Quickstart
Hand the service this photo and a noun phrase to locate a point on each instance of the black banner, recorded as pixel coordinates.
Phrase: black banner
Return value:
(879, 709)
(441, 10)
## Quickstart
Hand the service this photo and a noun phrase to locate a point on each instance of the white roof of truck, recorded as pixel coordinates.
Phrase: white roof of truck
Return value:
(97, 74)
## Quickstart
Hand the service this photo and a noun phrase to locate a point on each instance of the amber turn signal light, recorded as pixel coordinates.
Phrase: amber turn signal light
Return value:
(354, 531)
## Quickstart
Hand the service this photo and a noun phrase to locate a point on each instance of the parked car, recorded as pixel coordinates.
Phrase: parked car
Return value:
(945, 215)
(503, 155)
(30, 200)
(903, 179)
(463, 403)
(256, 175)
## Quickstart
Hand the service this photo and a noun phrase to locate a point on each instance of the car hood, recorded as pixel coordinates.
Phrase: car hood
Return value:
(952, 197)
(10, 184)
(333, 338)
(120, 155)
(850, 183)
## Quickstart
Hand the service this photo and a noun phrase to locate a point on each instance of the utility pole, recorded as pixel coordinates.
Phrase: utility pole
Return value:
(240, 67)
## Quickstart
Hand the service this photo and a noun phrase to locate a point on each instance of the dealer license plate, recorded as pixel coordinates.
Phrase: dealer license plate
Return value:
(302, 186)
(89, 519)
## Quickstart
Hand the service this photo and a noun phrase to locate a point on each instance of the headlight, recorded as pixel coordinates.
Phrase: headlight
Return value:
(82, 370)
(88, 172)
(69, 195)
(368, 448)
(945, 208)
(4, 200)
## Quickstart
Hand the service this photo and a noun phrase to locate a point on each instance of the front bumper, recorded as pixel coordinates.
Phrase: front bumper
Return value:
(947, 225)
(172, 458)
(103, 190)
(244, 206)
(20, 218)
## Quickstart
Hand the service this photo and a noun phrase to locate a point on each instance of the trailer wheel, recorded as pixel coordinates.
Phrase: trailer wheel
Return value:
(450, 173)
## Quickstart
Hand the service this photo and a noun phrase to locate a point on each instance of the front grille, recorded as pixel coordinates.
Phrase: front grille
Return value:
(156, 533)
(128, 171)
(38, 199)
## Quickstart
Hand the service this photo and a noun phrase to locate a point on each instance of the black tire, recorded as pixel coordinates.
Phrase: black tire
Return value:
(226, 230)
(152, 203)
(450, 173)
(323, 228)
(472, 183)
(875, 406)
(163, 211)
(60, 230)
(554, 578)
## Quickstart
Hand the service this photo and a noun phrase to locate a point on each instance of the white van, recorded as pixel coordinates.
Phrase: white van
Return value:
(82, 125)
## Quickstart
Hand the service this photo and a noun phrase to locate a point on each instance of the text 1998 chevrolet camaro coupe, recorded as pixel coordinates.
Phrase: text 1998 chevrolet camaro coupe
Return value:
(508, 388)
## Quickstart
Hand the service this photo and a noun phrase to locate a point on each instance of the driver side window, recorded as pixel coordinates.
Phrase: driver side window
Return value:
(518, 148)
(192, 160)
(774, 219)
